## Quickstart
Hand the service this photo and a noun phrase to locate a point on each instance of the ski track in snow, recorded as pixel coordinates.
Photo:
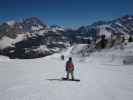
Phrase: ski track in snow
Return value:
(28, 79)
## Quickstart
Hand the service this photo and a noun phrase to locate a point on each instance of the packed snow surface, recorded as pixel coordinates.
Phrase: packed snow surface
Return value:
(102, 77)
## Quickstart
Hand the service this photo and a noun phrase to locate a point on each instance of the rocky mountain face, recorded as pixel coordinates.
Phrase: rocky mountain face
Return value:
(33, 24)
(31, 38)
(120, 26)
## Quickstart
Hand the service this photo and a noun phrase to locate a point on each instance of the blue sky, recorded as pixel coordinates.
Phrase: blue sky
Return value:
(69, 13)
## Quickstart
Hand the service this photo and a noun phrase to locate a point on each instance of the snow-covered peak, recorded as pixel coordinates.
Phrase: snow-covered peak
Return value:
(11, 23)
(127, 18)
(56, 28)
(33, 24)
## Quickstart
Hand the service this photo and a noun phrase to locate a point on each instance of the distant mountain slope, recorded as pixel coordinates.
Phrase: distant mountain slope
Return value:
(123, 25)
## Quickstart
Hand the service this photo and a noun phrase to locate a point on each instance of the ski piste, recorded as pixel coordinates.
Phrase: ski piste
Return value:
(109, 64)
(40, 79)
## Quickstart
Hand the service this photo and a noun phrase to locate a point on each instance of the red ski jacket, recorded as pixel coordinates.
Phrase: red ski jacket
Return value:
(69, 66)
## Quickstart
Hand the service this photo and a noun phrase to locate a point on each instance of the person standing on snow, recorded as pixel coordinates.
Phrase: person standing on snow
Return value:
(70, 68)
(62, 57)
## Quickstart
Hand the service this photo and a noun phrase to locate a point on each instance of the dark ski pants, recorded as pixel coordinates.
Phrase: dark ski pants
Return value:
(72, 74)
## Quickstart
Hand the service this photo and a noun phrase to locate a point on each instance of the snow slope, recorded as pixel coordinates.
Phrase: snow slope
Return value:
(8, 42)
(103, 77)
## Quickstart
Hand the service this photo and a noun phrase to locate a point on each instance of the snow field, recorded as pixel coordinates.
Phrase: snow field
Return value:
(101, 78)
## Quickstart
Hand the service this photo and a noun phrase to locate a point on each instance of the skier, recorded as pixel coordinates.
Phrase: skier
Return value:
(62, 57)
(70, 68)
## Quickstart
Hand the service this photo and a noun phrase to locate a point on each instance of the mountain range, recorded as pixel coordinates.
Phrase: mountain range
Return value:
(32, 38)
(119, 26)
